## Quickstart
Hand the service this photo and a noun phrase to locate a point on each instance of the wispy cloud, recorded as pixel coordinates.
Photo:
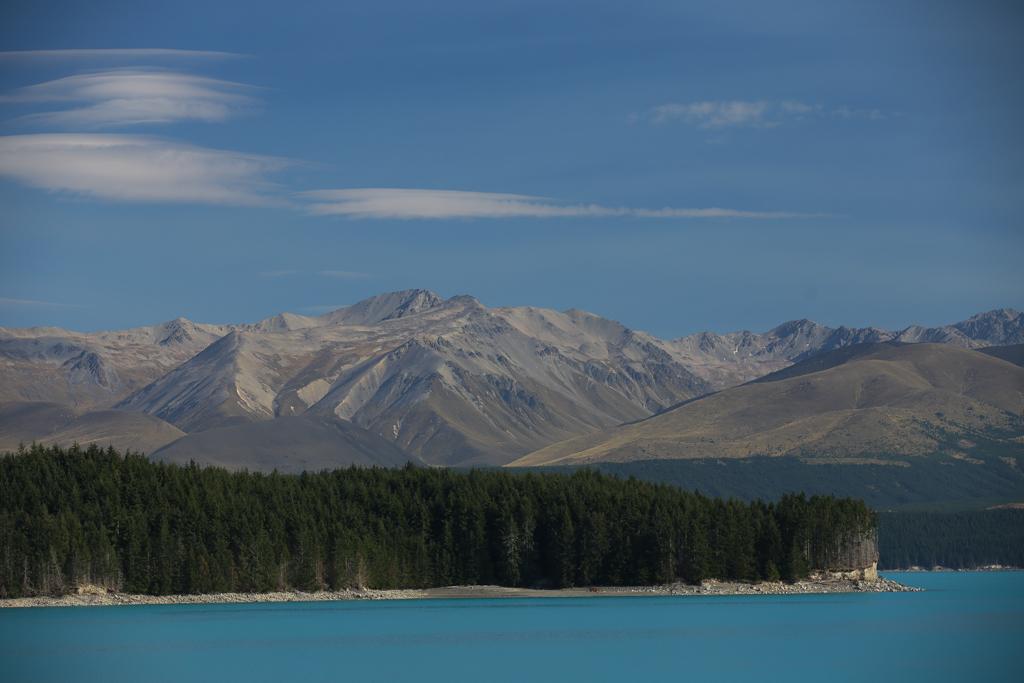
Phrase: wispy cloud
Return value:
(131, 53)
(713, 114)
(135, 96)
(343, 274)
(10, 303)
(848, 113)
(139, 169)
(280, 273)
(759, 114)
(410, 204)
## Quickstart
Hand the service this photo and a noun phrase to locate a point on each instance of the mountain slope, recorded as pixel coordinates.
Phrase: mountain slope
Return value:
(89, 370)
(97, 369)
(452, 382)
(287, 444)
(49, 423)
(892, 403)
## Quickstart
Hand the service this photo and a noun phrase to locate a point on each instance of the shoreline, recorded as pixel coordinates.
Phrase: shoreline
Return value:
(922, 570)
(91, 596)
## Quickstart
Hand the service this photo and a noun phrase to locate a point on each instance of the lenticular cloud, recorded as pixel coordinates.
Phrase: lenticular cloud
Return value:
(412, 204)
(135, 96)
(138, 169)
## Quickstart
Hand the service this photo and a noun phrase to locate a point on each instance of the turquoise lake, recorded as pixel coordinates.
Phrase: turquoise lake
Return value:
(967, 627)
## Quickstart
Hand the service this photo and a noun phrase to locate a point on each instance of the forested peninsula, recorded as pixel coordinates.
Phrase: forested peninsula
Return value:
(92, 516)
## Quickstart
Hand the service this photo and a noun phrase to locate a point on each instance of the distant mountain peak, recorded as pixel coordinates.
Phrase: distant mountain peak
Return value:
(464, 300)
(381, 307)
(997, 314)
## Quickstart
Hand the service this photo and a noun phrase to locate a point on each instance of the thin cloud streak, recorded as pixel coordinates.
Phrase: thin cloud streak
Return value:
(847, 113)
(713, 114)
(129, 53)
(133, 168)
(759, 114)
(135, 96)
(440, 204)
(280, 273)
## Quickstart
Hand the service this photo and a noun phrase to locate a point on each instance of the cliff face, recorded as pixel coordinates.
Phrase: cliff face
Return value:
(853, 558)
(869, 573)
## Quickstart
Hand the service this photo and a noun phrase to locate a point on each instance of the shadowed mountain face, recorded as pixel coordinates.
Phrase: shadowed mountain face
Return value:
(1013, 353)
(50, 423)
(450, 381)
(881, 404)
(288, 444)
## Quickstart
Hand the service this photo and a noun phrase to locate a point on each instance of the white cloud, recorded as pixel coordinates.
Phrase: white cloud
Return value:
(760, 114)
(848, 113)
(715, 114)
(134, 96)
(797, 108)
(411, 204)
(138, 169)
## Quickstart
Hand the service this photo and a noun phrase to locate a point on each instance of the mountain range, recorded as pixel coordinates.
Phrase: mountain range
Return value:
(447, 382)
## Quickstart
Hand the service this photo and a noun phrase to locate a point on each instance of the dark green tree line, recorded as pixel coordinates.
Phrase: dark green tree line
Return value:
(75, 516)
(955, 540)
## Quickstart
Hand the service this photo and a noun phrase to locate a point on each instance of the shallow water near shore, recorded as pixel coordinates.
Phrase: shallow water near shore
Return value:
(967, 626)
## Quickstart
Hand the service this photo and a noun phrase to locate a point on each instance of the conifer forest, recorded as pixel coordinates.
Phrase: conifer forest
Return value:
(72, 516)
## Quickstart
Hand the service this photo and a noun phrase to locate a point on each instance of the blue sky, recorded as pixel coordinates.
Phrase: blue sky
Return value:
(674, 166)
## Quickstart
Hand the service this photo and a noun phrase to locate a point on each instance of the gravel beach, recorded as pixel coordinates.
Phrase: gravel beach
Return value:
(94, 596)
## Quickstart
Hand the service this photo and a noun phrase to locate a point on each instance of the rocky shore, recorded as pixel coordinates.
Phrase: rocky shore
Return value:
(939, 568)
(94, 596)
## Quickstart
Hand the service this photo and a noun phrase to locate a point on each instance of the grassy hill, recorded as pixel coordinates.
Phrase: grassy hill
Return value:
(919, 426)
(888, 405)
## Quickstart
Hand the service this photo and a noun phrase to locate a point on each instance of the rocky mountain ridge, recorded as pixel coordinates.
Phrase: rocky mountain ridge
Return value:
(732, 359)
(451, 382)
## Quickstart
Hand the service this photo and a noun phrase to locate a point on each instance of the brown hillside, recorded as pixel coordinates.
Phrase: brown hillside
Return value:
(883, 404)
(50, 423)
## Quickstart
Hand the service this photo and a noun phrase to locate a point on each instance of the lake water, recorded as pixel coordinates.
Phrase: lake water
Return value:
(967, 627)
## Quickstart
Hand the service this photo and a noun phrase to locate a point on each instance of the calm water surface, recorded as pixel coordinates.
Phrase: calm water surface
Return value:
(967, 627)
